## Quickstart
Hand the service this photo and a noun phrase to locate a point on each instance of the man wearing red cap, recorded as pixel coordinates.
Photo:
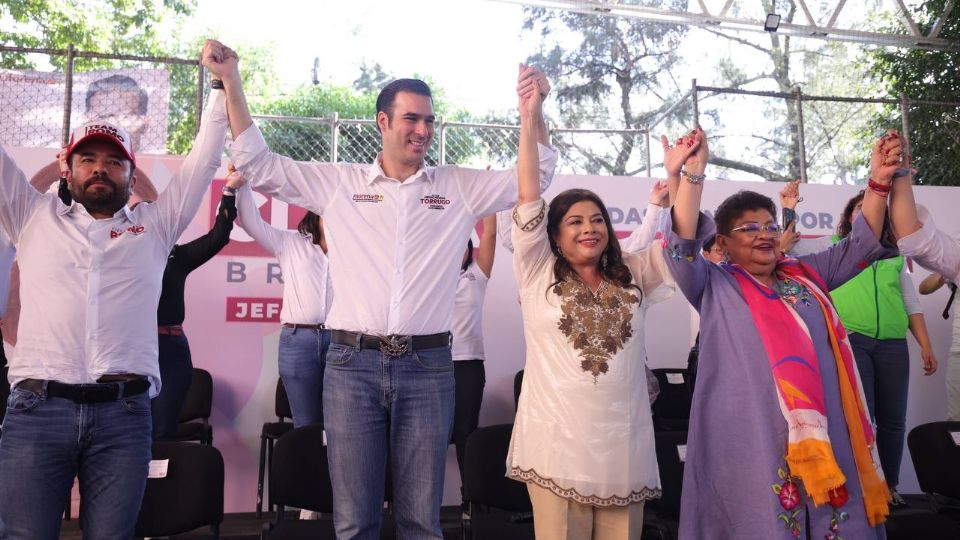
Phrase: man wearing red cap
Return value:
(85, 366)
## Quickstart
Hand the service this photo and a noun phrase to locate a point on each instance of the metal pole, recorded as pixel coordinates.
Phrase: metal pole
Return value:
(801, 142)
(443, 142)
(67, 94)
(335, 137)
(905, 118)
(200, 88)
(696, 108)
(646, 137)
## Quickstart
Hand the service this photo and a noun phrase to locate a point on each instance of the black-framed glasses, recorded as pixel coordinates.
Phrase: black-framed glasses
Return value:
(754, 229)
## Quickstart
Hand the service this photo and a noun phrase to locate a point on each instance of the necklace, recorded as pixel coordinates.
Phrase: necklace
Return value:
(792, 291)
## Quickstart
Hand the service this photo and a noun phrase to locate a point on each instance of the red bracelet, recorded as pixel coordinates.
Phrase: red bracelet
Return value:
(879, 189)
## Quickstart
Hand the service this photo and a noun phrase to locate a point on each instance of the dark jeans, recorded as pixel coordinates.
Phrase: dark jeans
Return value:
(884, 366)
(469, 379)
(47, 441)
(176, 373)
(303, 352)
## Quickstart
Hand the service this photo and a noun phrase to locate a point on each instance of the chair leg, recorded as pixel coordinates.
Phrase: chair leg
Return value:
(215, 531)
(263, 457)
(270, 505)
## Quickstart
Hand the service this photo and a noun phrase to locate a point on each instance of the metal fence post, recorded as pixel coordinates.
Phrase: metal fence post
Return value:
(443, 141)
(200, 77)
(801, 141)
(646, 138)
(334, 137)
(905, 119)
(67, 94)
(696, 108)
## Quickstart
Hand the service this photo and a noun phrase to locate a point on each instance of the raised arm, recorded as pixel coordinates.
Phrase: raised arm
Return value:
(17, 197)
(643, 236)
(528, 175)
(308, 185)
(688, 157)
(200, 250)
(270, 238)
(488, 244)
(887, 157)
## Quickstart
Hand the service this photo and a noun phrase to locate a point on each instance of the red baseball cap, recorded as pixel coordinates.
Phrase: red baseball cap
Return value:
(105, 132)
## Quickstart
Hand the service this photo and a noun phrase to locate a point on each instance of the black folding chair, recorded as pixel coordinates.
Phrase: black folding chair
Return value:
(935, 451)
(661, 517)
(188, 497)
(270, 433)
(498, 507)
(194, 419)
(671, 411)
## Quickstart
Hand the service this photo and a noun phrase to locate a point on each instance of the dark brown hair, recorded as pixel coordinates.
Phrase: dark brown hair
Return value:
(846, 219)
(738, 204)
(614, 270)
(310, 226)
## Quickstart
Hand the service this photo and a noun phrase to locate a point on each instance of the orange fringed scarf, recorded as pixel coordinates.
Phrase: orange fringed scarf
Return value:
(796, 372)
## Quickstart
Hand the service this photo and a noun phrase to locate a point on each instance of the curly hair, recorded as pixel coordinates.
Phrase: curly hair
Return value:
(736, 205)
(846, 219)
(614, 270)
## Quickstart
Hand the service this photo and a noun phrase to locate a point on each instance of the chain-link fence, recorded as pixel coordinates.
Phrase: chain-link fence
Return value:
(157, 100)
(823, 139)
(753, 135)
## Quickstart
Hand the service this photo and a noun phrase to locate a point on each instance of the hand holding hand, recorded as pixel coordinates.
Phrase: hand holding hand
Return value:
(790, 195)
(221, 61)
(887, 157)
(235, 178)
(675, 156)
(660, 194)
(530, 90)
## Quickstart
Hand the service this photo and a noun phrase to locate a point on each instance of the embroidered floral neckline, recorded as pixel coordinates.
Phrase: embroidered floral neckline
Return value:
(597, 324)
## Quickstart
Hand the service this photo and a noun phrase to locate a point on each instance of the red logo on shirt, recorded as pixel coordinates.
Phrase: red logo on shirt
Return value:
(135, 230)
(367, 197)
(435, 202)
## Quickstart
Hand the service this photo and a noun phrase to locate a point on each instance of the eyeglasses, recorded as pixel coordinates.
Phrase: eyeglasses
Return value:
(754, 229)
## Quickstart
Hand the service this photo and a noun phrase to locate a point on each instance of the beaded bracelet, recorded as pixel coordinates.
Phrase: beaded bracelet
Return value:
(693, 178)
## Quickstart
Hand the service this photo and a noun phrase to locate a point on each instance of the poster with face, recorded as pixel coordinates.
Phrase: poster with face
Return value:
(32, 104)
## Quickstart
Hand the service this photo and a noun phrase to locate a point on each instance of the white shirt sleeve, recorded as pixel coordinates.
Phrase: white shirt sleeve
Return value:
(505, 229)
(911, 300)
(309, 185)
(932, 248)
(179, 202)
(486, 192)
(532, 253)
(17, 197)
(643, 236)
(250, 221)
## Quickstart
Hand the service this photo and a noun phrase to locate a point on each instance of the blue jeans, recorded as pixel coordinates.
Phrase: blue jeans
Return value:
(884, 366)
(48, 441)
(176, 374)
(373, 402)
(301, 358)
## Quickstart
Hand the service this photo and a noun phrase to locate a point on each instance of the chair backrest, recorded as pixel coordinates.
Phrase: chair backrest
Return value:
(281, 403)
(671, 453)
(199, 400)
(675, 397)
(517, 386)
(935, 451)
(484, 467)
(299, 476)
(191, 494)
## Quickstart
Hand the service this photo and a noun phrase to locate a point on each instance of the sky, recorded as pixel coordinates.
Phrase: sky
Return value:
(471, 48)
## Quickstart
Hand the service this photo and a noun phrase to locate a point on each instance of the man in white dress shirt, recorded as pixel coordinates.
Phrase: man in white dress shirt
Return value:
(85, 366)
(396, 230)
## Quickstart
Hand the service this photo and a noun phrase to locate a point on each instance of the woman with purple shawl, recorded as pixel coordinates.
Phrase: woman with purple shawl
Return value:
(780, 444)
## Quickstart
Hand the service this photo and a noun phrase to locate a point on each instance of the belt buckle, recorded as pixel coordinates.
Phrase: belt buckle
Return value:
(394, 345)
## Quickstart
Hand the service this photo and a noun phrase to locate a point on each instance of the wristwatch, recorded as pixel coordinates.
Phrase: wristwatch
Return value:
(216, 84)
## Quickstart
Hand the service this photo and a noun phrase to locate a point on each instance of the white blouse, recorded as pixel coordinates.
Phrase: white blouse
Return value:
(583, 427)
(468, 315)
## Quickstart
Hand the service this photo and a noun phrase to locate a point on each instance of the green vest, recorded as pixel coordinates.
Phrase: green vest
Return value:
(871, 304)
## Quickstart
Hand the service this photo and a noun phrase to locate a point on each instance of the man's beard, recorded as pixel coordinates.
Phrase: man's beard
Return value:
(101, 201)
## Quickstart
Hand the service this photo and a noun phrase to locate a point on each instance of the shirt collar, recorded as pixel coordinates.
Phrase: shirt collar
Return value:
(376, 171)
(63, 210)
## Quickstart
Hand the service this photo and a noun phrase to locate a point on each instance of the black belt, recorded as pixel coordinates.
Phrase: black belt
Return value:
(296, 326)
(394, 345)
(87, 393)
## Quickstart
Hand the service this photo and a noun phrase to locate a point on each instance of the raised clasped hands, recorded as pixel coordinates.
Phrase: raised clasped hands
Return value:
(888, 156)
(690, 153)
(532, 88)
(221, 61)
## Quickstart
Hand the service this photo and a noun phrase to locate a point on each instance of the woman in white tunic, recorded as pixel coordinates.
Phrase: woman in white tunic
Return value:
(583, 438)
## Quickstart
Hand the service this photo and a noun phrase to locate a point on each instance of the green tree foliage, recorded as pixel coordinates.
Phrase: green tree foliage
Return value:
(927, 75)
(617, 75)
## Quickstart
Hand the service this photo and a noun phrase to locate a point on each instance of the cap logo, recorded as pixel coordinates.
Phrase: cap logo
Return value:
(105, 129)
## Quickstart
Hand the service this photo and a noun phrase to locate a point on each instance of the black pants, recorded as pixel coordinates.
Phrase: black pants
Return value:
(176, 374)
(469, 379)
